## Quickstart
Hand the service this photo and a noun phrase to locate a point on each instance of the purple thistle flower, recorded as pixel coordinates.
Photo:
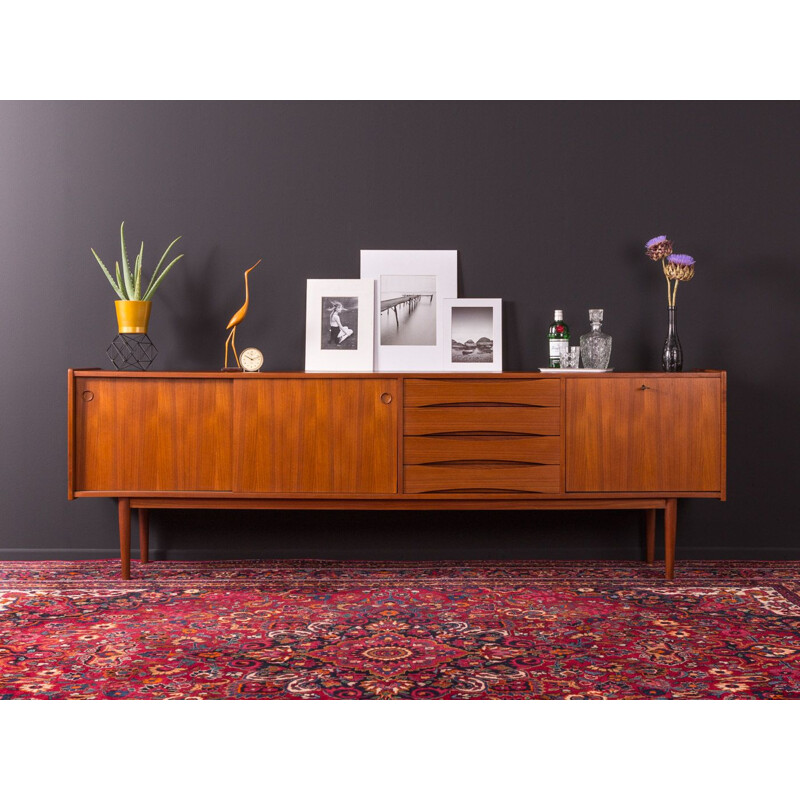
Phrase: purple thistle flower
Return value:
(679, 267)
(658, 248)
(681, 260)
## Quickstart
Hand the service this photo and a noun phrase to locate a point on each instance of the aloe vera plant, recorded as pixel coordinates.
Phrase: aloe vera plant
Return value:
(128, 283)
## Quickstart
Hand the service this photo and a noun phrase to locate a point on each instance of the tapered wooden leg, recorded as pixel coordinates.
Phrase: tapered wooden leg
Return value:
(670, 529)
(650, 535)
(124, 508)
(144, 534)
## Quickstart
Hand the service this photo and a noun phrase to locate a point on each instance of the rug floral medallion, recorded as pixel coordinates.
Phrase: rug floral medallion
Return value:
(369, 630)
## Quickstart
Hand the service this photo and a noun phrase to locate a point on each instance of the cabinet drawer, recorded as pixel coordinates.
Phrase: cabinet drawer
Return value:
(495, 478)
(541, 421)
(529, 449)
(513, 392)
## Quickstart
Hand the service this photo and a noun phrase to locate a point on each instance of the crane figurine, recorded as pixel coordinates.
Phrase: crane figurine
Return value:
(236, 319)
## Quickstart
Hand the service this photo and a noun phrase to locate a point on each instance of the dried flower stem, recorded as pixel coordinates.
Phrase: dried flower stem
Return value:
(669, 293)
(672, 289)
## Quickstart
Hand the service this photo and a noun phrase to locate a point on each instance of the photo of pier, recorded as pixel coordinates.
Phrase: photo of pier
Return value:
(408, 310)
(472, 329)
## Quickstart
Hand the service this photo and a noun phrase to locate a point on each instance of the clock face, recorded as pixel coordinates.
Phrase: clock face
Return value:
(251, 359)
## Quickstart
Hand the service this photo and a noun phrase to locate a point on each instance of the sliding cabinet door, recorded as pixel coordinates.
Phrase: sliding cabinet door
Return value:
(335, 436)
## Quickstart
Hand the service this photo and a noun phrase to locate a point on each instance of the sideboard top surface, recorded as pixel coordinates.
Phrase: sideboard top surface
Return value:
(107, 373)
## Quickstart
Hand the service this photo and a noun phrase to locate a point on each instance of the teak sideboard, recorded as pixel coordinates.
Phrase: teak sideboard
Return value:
(397, 441)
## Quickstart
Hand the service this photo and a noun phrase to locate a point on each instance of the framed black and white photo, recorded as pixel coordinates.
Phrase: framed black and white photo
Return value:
(410, 286)
(474, 329)
(340, 320)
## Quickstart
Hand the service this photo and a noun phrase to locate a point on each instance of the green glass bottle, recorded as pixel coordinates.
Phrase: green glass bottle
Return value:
(559, 338)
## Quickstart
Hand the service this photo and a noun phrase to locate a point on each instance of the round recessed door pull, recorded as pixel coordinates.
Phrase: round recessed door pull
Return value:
(386, 398)
(87, 395)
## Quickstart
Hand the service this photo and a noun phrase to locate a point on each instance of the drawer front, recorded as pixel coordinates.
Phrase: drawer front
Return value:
(541, 421)
(463, 478)
(473, 447)
(482, 436)
(421, 392)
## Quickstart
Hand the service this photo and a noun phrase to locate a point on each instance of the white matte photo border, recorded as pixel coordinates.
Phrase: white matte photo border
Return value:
(496, 304)
(359, 360)
(441, 263)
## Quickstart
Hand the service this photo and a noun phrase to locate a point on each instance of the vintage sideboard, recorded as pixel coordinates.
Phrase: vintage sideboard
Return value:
(397, 441)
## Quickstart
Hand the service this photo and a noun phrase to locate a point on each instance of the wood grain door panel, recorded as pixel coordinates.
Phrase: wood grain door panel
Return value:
(152, 435)
(326, 435)
(625, 438)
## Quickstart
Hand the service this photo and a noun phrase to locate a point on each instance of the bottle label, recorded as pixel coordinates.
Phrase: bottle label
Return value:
(558, 346)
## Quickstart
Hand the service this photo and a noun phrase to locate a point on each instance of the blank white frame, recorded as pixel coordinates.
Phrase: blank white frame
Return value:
(319, 360)
(496, 304)
(443, 264)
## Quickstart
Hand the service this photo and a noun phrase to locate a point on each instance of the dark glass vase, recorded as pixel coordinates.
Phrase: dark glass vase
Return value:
(672, 355)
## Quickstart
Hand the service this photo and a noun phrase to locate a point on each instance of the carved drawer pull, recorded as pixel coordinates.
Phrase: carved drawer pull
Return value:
(88, 396)
(644, 386)
(386, 398)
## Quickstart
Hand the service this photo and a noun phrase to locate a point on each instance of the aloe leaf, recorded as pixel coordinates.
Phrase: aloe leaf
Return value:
(136, 284)
(137, 281)
(108, 274)
(126, 271)
(151, 291)
(119, 280)
(160, 262)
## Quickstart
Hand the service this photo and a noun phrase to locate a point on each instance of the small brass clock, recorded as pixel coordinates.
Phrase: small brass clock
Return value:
(251, 359)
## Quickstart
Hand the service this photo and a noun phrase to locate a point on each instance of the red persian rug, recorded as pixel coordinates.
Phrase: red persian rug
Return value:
(318, 630)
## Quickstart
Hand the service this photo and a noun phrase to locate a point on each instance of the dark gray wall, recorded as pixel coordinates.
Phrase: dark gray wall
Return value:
(548, 204)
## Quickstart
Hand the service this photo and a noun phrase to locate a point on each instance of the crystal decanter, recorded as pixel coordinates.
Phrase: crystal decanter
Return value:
(595, 345)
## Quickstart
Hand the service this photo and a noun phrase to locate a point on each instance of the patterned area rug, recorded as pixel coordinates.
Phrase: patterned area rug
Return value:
(317, 629)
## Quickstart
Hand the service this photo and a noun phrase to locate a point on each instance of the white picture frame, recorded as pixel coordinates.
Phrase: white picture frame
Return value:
(474, 331)
(409, 335)
(340, 320)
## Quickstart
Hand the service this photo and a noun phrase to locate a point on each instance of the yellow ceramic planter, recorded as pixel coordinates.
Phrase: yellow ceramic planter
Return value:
(133, 315)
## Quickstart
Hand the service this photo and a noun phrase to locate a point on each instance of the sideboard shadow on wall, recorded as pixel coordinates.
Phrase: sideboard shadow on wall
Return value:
(397, 441)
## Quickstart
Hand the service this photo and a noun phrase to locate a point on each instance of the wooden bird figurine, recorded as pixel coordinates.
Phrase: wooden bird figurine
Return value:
(237, 318)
